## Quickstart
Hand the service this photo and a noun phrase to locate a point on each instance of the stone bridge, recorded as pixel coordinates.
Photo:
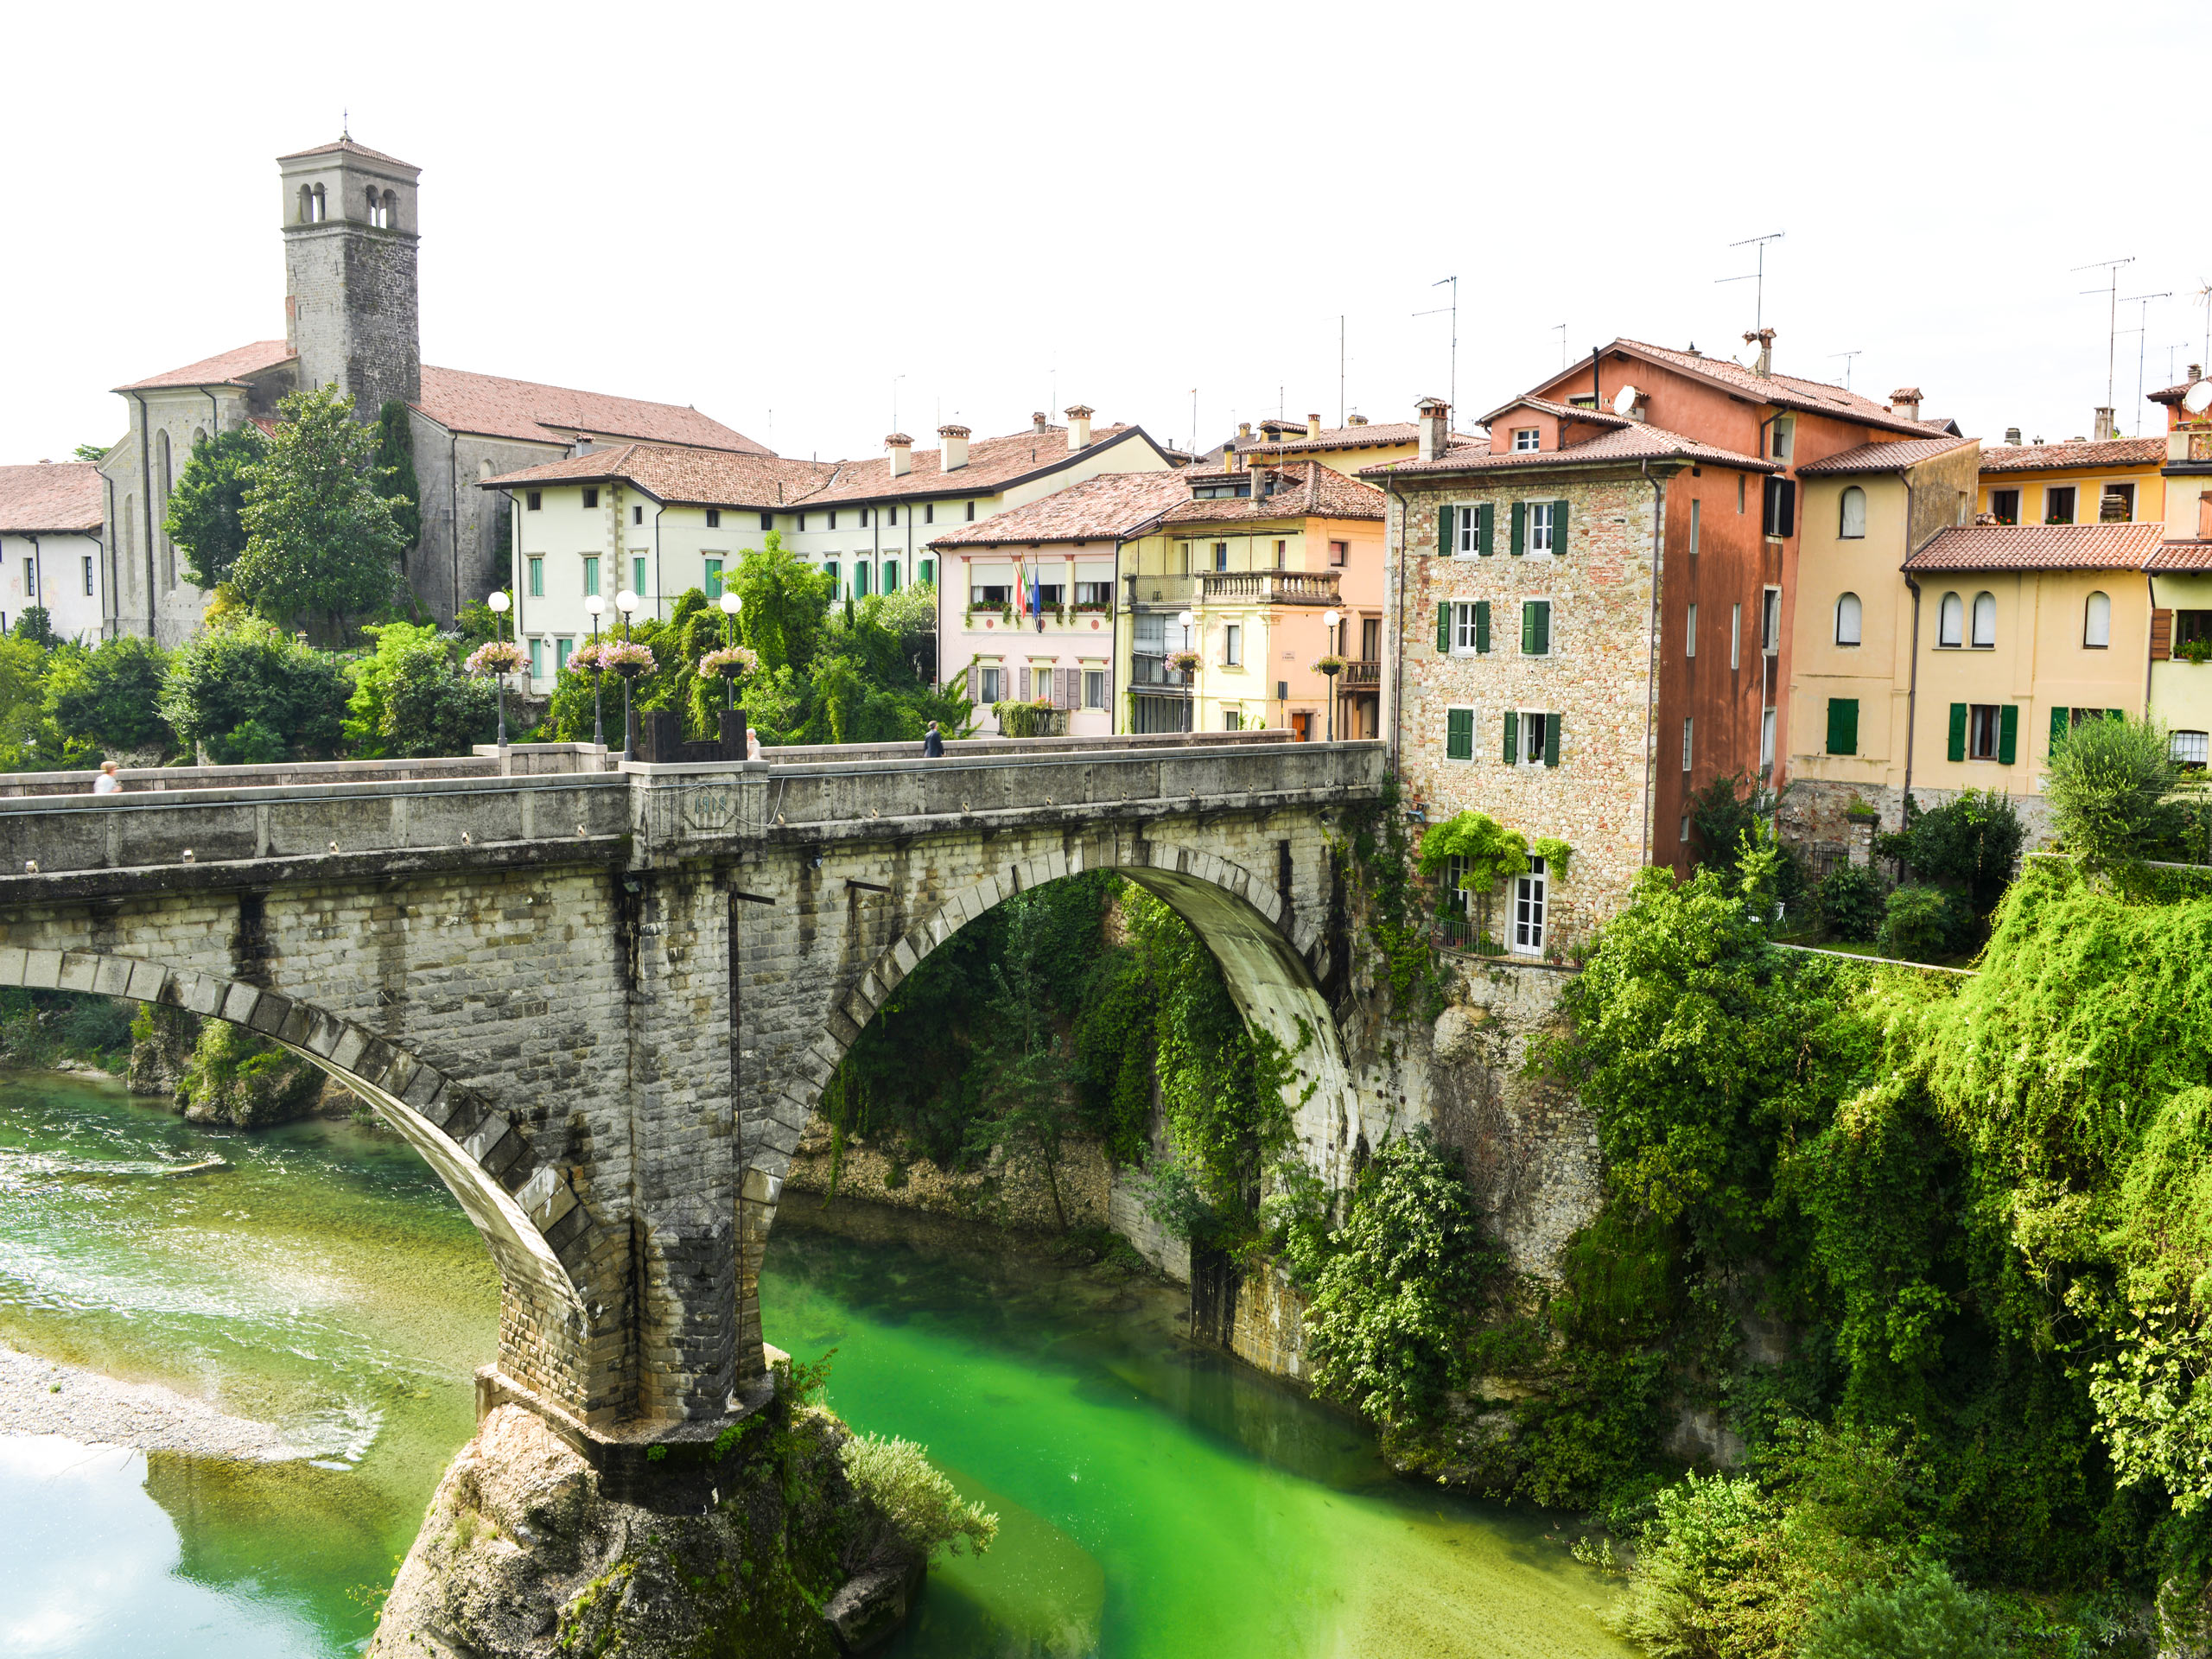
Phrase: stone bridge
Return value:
(603, 1000)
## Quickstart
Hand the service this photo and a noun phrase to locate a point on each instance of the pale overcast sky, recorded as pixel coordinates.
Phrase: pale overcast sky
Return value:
(788, 216)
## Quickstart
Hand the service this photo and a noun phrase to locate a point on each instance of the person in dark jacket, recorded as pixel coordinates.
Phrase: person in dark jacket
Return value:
(932, 743)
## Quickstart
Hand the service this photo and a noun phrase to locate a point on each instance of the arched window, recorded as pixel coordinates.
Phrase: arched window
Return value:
(375, 207)
(1951, 621)
(307, 206)
(2096, 622)
(391, 211)
(1985, 620)
(1848, 612)
(1853, 525)
(322, 205)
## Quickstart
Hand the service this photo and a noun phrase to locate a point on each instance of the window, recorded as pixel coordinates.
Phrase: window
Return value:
(925, 572)
(1282, 555)
(1221, 556)
(833, 519)
(1454, 896)
(995, 594)
(2117, 505)
(591, 575)
(1689, 724)
(2005, 506)
(637, 574)
(30, 579)
(537, 659)
(860, 578)
(1529, 896)
(88, 576)
(2096, 622)
(1735, 636)
(1048, 595)
(1232, 720)
(1785, 436)
(1470, 534)
(863, 520)
(1984, 731)
(714, 517)
(1984, 621)
(1849, 616)
(1766, 740)
(1951, 621)
(537, 578)
(971, 512)
(830, 569)
(1232, 645)
(591, 498)
(1460, 734)
(1540, 526)
(802, 523)
(1532, 739)
(1094, 687)
(713, 583)
(2058, 504)
(1981, 743)
(1843, 725)
(929, 512)
(1682, 830)
(767, 521)
(1536, 627)
(1781, 507)
(533, 500)
(1697, 514)
(637, 515)
(1527, 438)
(1739, 492)
(1469, 634)
(992, 679)
(376, 210)
(560, 650)
(1852, 524)
(890, 575)
(2190, 626)
(1771, 622)
(1689, 633)
(2192, 749)
(1100, 594)
(1370, 638)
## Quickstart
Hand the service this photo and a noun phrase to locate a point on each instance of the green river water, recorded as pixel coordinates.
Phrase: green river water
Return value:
(1155, 1500)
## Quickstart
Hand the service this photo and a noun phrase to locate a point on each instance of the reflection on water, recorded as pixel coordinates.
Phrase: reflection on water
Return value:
(1153, 1501)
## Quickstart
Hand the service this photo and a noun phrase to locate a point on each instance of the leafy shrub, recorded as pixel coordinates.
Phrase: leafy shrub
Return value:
(249, 743)
(34, 624)
(409, 701)
(1712, 1579)
(923, 1514)
(110, 695)
(1851, 903)
(1970, 843)
(247, 689)
(1925, 1614)
(1493, 853)
(1925, 924)
(2107, 784)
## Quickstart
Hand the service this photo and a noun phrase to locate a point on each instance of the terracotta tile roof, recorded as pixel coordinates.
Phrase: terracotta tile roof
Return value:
(54, 497)
(489, 406)
(1635, 442)
(993, 463)
(2105, 452)
(2181, 556)
(1098, 510)
(1374, 434)
(695, 477)
(1305, 489)
(1564, 411)
(1891, 457)
(350, 148)
(1778, 391)
(2171, 394)
(2039, 547)
(231, 368)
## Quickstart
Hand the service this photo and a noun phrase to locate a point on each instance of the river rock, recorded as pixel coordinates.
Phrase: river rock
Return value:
(522, 1556)
(162, 1041)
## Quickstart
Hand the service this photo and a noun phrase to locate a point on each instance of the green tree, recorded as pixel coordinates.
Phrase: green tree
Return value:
(23, 667)
(206, 516)
(1969, 843)
(249, 692)
(784, 602)
(395, 473)
(321, 540)
(1026, 1100)
(410, 699)
(34, 624)
(94, 452)
(2109, 784)
(110, 695)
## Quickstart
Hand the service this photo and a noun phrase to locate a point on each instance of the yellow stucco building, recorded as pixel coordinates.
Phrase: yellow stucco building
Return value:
(2083, 481)
(2180, 575)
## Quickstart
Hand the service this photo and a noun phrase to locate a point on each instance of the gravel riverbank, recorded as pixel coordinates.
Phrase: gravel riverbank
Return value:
(40, 1397)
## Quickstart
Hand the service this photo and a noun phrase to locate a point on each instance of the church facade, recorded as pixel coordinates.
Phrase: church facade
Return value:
(353, 320)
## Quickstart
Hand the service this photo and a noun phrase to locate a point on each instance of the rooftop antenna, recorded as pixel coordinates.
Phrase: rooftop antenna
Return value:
(2142, 334)
(1757, 275)
(1194, 423)
(1454, 309)
(1847, 357)
(895, 379)
(1561, 330)
(2112, 328)
(1340, 368)
(2204, 299)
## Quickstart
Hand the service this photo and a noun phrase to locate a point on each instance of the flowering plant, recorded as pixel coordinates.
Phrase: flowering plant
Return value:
(1185, 662)
(1329, 663)
(627, 658)
(495, 657)
(585, 658)
(730, 663)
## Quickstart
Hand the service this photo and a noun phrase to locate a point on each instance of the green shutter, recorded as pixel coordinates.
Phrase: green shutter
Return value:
(1485, 516)
(1558, 528)
(1543, 609)
(1444, 529)
(1482, 622)
(1444, 626)
(1843, 725)
(1957, 749)
(2115, 714)
(2008, 734)
(1459, 734)
(1528, 627)
(1552, 723)
(1520, 528)
(2062, 722)
(1512, 737)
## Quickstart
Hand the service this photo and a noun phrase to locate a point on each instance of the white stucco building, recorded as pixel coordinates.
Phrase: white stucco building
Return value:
(50, 548)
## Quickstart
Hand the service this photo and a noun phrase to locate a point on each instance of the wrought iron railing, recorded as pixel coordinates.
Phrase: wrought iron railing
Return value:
(1162, 589)
(1153, 674)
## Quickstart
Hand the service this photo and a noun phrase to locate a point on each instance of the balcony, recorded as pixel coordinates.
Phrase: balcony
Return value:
(1361, 677)
(1162, 592)
(1152, 676)
(1269, 587)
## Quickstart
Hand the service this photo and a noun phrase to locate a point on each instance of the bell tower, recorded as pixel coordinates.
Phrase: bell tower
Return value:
(352, 304)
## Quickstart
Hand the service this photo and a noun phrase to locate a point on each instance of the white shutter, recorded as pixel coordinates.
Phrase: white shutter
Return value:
(1025, 682)
(975, 681)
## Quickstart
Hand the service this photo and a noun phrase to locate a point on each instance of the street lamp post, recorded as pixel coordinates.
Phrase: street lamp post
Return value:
(1330, 622)
(625, 601)
(1197, 705)
(597, 607)
(499, 602)
(730, 603)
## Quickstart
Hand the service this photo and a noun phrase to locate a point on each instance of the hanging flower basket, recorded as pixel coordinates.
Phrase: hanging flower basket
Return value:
(585, 658)
(627, 658)
(496, 657)
(730, 663)
(1330, 664)
(1184, 662)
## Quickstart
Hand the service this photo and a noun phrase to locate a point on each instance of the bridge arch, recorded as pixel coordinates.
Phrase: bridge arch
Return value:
(543, 1241)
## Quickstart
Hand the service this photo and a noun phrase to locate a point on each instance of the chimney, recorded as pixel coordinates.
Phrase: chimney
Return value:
(1905, 401)
(2106, 427)
(1078, 427)
(1432, 421)
(583, 444)
(2012, 436)
(1764, 338)
(953, 455)
(1312, 426)
(1037, 423)
(902, 454)
(1244, 431)
(1359, 420)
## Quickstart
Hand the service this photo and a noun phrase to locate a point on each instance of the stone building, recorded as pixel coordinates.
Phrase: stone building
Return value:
(50, 545)
(353, 319)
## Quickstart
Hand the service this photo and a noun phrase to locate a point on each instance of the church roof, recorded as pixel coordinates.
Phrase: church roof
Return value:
(347, 147)
(487, 405)
(52, 497)
(231, 368)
